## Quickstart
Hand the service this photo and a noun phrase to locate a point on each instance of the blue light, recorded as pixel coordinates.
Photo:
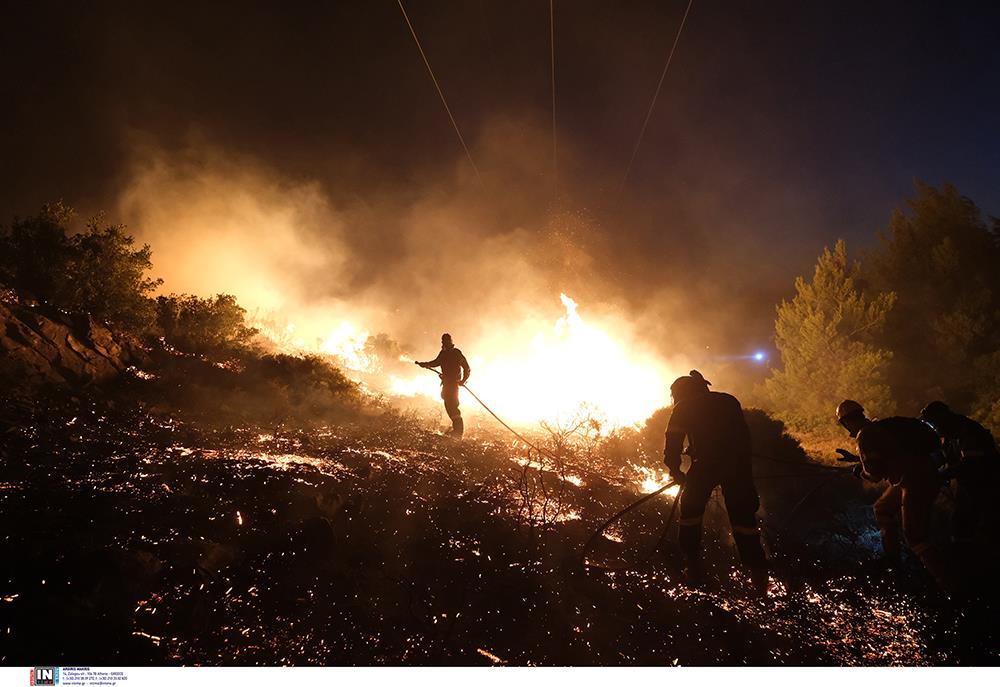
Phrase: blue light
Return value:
(760, 356)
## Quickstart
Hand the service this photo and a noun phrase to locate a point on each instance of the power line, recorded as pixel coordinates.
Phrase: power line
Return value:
(552, 49)
(652, 104)
(440, 92)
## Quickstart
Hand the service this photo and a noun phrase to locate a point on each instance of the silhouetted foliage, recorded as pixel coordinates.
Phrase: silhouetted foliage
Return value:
(770, 438)
(203, 325)
(941, 258)
(96, 271)
(828, 338)
(928, 327)
(284, 387)
(385, 354)
(35, 253)
(654, 429)
(768, 435)
(249, 387)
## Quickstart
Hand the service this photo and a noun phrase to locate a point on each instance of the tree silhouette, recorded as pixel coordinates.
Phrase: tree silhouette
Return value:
(942, 260)
(827, 336)
(97, 271)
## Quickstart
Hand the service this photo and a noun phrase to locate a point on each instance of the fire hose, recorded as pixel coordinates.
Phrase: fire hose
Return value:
(831, 472)
(497, 418)
(618, 516)
(610, 521)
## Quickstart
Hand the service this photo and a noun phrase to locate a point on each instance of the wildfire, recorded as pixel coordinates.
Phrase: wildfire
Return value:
(538, 370)
(347, 342)
(557, 370)
(651, 480)
(344, 340)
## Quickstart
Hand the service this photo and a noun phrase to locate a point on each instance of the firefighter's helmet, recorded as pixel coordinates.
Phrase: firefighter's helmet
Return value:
(688, 384)
(848, 409)
(935, 412)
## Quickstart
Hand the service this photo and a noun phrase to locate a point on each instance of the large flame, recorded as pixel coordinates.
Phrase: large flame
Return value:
(537, 371)
(559, 371)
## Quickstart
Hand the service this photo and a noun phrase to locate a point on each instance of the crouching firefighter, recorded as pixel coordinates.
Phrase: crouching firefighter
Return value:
(903, 451)
(454, 373)
(719, 446)
(972, 460)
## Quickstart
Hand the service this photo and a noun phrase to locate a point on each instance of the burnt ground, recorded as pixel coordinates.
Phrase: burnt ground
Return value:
(134, 538)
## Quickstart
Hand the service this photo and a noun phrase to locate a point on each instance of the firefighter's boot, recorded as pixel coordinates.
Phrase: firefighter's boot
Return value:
(693, 573)
(938, 565)
(890, 547)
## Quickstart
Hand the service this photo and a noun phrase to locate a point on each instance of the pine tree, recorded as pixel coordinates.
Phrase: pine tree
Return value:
(827, 338)
(941, 258)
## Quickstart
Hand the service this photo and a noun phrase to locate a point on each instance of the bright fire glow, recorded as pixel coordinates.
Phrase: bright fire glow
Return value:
(343, 340)
(347, 342)
(651, 480)
(556, 371)
(536, 370)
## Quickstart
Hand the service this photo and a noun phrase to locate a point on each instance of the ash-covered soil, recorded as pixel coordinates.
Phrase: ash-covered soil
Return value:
(131, 538)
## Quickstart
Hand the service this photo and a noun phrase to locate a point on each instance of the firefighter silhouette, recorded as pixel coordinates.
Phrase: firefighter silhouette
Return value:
(454, 373)
(719, 446)
(902, 451)
(972, 460)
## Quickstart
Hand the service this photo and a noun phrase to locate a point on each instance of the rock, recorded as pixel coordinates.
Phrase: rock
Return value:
(43, 345)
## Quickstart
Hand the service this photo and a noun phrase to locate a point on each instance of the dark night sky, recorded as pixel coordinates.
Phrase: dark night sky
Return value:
(781, 124)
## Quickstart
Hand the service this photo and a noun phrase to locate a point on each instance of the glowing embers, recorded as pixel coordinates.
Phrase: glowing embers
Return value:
(651, 479)
(853, 626)
(615, 533)
(278, 461)
(558, 472)
(494, 658)
(141, 374)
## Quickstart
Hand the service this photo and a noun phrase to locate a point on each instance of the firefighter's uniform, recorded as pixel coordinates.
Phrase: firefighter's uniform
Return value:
(719, 446)
(901, 450)
(454, 371)
(974, 463)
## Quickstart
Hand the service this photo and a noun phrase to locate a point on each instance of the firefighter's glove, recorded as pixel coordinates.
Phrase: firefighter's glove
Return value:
(677, 476)
(847, 457)
(948, 472)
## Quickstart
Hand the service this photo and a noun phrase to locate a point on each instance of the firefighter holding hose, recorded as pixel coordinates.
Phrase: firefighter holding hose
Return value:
(454, 373)
(719, 446)
(902, 451)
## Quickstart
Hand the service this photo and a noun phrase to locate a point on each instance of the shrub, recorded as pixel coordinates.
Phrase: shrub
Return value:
(203, 325)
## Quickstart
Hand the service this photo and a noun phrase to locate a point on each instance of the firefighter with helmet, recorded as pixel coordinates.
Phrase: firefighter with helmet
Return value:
(719, 445)
(900, 450)
(972, 460)
(454, 373)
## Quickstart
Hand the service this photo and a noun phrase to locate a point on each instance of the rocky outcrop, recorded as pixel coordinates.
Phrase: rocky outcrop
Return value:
(40, 344)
